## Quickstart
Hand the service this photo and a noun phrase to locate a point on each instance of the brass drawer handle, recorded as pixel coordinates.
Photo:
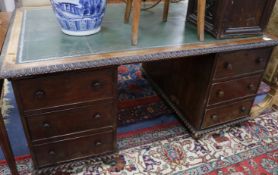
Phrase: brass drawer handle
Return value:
(220, 93)
(98, 143)
(228, 66)
(214, 117)
(97, 115)
(52, 152)
(46, 125)
(243, 109)
(39, 94)
(96, 84)
(251, 87)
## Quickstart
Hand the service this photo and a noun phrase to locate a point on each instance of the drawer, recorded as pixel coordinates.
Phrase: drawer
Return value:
(59, 123)
(227, 113)
(67, 150)
(241, 62)
(65, 88)
(230, 90)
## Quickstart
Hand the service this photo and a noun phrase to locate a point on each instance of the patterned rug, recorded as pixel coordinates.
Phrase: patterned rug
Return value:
(151, 140)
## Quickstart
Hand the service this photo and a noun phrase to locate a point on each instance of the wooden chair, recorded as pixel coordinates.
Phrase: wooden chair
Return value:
(137, 12)
(4, 139)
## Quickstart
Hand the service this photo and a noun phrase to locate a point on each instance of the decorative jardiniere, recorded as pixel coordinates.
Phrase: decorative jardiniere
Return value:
(79, 17)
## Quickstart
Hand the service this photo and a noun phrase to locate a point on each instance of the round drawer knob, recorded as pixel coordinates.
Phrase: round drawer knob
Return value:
(259, 60)
(228, 66)
(52, 152)
(243, 109)
(251, 87)
(46, 125)
(98, 143)
(96, 84)
(97, 115)
(39, 94)
(220, 93)
(214, 117)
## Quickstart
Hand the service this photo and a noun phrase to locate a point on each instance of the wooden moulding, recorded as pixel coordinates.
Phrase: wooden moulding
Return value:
(195, 133)
(11, 69)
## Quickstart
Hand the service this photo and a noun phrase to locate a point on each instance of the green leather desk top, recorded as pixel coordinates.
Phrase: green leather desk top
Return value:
(42, 38)
(38, 46)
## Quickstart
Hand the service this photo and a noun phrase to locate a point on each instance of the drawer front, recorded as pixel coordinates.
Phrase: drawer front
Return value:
(230, 90)
(54, 153)
(241, 62)
(65, 88)
(59, 123)
(227, 113)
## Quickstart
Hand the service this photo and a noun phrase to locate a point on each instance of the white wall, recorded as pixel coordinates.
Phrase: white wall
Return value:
(7, 5)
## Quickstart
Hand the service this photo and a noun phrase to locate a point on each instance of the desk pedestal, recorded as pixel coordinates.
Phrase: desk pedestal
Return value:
(68, 116)
(211, 91)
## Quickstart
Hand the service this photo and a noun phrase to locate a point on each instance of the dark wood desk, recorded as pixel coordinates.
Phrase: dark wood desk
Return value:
(58, 77)
(5, 144)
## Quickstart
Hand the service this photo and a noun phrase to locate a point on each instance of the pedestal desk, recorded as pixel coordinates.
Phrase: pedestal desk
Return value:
(65, 86)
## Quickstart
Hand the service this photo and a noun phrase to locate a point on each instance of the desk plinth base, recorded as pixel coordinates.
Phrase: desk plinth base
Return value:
(108, 158)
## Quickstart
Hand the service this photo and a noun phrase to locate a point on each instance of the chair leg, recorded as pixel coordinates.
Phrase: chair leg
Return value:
(5, 144)
(136, 20)
(128, 10)
(201, 19)
(166, 10)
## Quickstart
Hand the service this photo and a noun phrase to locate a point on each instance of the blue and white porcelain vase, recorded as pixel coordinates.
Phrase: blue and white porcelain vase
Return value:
(79, 17)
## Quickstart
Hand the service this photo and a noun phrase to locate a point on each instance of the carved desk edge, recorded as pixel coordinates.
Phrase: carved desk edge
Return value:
(12, 69)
